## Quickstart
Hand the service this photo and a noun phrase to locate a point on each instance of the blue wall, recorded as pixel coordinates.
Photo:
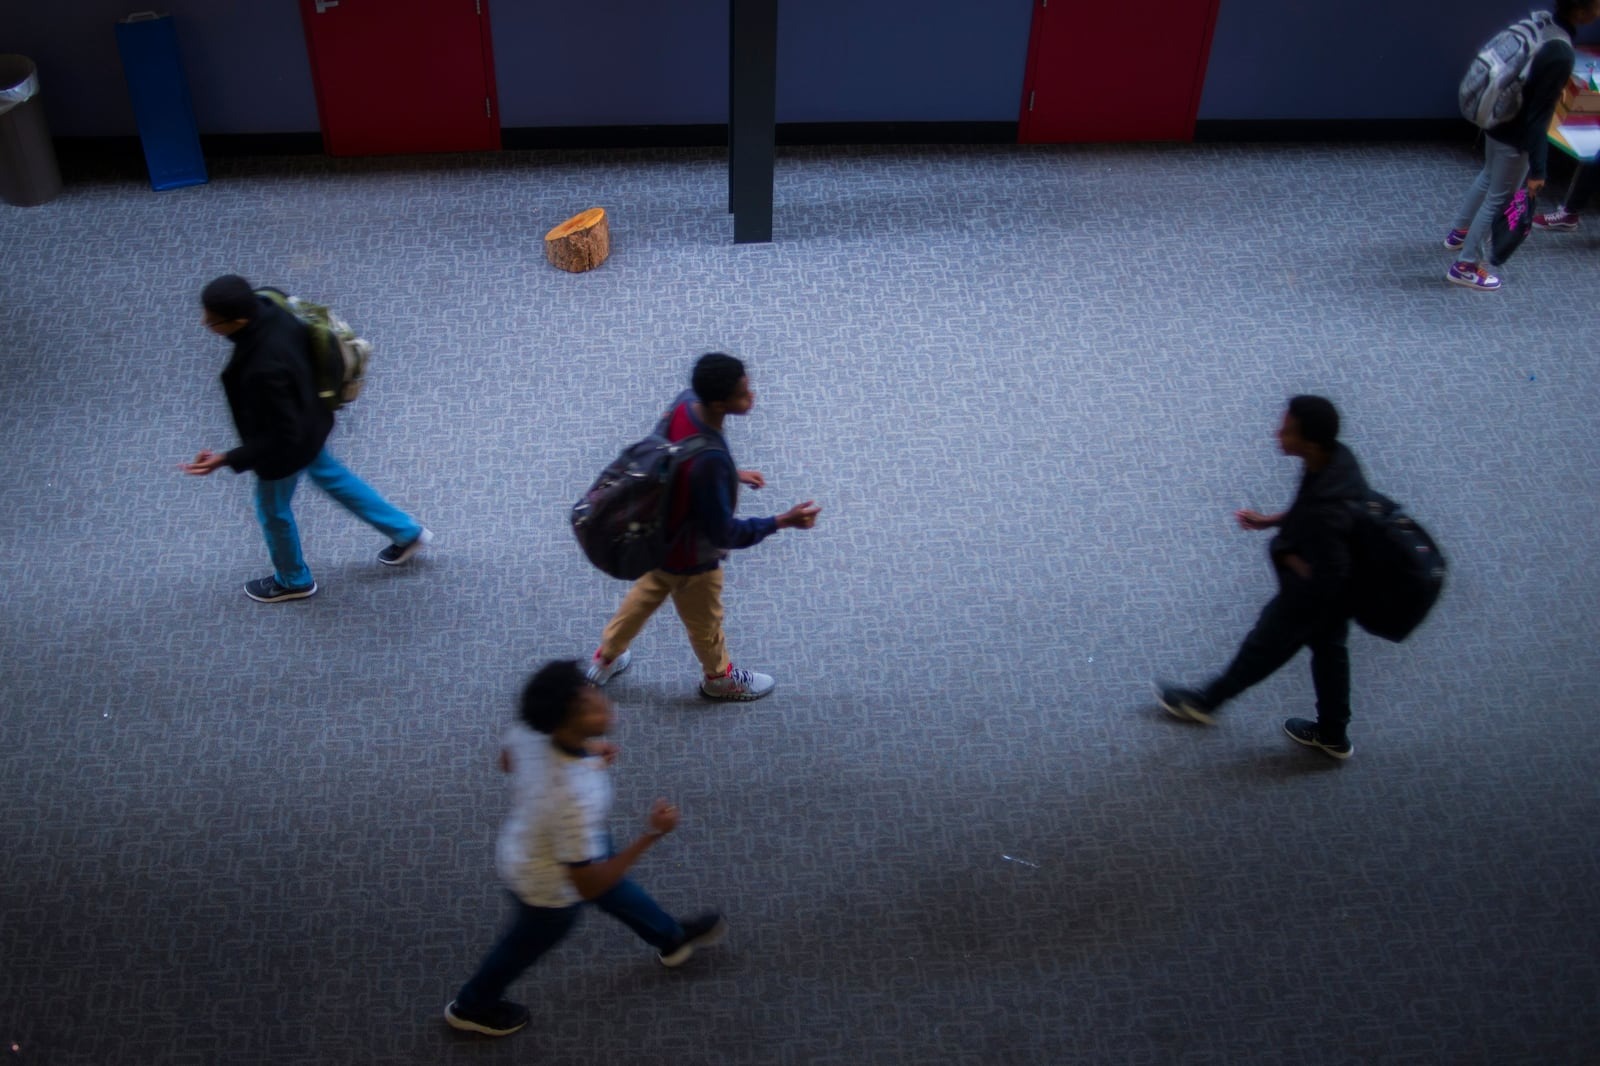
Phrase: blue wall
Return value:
(622, 62)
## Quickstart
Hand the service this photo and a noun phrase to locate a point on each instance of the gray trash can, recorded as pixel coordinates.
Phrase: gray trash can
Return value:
(28, 171)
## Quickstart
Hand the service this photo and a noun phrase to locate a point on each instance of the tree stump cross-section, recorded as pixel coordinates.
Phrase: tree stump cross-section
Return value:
(580, 243)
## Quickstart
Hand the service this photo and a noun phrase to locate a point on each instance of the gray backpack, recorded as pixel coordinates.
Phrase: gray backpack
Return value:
(1491, 92)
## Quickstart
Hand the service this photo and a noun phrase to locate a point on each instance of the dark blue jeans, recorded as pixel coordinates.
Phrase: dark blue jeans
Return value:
(535, 930)
(1295, 618)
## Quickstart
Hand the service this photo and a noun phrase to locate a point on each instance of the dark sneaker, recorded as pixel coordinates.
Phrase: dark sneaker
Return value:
(498, 1019)
(601, 670)
(1304, 731)
(267, 590)
(736, 684)
(699, 932)
(1472, 276)
(1560, 218)
(1185, 703)
(395, 554)
(1455, 238)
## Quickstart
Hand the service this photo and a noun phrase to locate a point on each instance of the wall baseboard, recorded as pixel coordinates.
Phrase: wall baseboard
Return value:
(1333, 130)
(124, 150)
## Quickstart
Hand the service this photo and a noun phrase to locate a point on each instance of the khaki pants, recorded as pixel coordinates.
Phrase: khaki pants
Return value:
(698, 599)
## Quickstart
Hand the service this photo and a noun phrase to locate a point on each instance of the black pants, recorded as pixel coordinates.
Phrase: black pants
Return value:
(1296, 618)
(1583, 186)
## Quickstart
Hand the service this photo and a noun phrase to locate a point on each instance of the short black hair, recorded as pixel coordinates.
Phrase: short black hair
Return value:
(230, 297)
(1318, 419)
(551, 693)
(716, 377)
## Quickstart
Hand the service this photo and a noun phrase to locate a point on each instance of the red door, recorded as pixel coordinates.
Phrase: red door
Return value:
(398, 76)
(1102, 71)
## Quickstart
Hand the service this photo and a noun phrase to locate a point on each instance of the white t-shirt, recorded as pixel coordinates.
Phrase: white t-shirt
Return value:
(558, 816)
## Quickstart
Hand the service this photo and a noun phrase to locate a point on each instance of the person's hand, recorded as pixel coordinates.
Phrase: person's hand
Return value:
(752, 478)
(800, 516)
(1253, 520)
(203, 464)
(1299, 566)
(604, 749)
(663, 818)
(504, 761)
(1535, 186)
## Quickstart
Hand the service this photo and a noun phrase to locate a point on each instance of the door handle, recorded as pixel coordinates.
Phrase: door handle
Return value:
(323, 5)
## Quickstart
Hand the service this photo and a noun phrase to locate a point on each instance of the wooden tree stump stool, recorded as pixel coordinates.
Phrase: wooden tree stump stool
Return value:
(580, 243)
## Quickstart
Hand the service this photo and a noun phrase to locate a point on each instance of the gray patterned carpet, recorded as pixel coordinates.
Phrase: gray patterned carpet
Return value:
(1028, 387)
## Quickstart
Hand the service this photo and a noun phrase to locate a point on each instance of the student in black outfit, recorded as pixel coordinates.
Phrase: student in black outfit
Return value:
(1311, 558)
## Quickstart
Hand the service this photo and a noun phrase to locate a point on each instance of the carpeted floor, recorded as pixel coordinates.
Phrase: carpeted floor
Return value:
(1028, 387)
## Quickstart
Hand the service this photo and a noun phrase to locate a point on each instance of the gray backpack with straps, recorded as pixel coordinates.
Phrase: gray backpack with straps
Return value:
(1491, 91)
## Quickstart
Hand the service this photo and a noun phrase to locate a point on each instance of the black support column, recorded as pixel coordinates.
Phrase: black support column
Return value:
(752, 116)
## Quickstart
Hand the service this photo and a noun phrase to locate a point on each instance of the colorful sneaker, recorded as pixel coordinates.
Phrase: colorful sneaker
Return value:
(1560, 218)
(698, 932)
(1472, 276)
(395, 554)
(1456, 238)
(1185, 703)
(742, 685)
(498, 1019)
(1304, 731)
(600, 671)
(267, 590)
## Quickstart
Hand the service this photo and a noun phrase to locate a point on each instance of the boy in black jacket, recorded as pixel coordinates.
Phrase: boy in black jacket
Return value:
(283, 427)
(1516, 149)
(1311, 557)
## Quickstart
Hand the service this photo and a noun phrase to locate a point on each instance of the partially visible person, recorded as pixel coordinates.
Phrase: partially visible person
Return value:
(554, 853)
(283, 432)
(702, 530)
(1516, 151)
(1579, 193)
(1311, 560)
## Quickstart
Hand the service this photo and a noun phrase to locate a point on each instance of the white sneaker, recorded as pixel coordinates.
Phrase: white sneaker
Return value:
(736, 684)
(600, 671)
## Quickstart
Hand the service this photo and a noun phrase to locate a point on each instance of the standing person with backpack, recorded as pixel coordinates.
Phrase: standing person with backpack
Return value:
(283, 429)
(1535, 58)
(701, 529)
(1311, 559)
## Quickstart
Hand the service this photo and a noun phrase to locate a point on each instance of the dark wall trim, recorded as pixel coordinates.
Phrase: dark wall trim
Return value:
(789, 133)
(1333, 130)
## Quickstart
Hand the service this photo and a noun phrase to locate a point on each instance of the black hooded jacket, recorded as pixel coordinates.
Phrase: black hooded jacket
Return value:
(282, 425)
(1317, 525)
(1528, 130)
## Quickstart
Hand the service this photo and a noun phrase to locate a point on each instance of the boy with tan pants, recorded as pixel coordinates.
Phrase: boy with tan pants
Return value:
(701, 530)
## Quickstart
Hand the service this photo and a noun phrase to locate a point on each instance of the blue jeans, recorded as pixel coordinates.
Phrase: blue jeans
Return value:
(535, 930)
(356, 496)
(1504, 169)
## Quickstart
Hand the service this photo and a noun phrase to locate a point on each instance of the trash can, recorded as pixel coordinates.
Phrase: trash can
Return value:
(28, 171)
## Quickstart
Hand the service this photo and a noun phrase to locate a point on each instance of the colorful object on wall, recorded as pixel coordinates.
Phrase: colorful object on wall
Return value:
(148, 43)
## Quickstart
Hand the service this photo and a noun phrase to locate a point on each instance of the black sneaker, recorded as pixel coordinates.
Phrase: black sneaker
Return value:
(1185, 703)
(698, 932)
(497, 1019)
(1304, 731)
(395, 554)
(267, 590)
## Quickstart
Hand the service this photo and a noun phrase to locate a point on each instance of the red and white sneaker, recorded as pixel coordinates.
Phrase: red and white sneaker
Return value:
(736, 684)
(1472, 276)
(600, 671)
(1560, 218)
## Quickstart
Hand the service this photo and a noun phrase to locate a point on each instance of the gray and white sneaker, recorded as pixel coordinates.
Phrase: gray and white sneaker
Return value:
(395, 554)
(600, 671)
(736, 684)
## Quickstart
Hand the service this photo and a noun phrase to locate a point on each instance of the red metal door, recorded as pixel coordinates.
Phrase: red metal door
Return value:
(1102, 71)
(398, 76)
